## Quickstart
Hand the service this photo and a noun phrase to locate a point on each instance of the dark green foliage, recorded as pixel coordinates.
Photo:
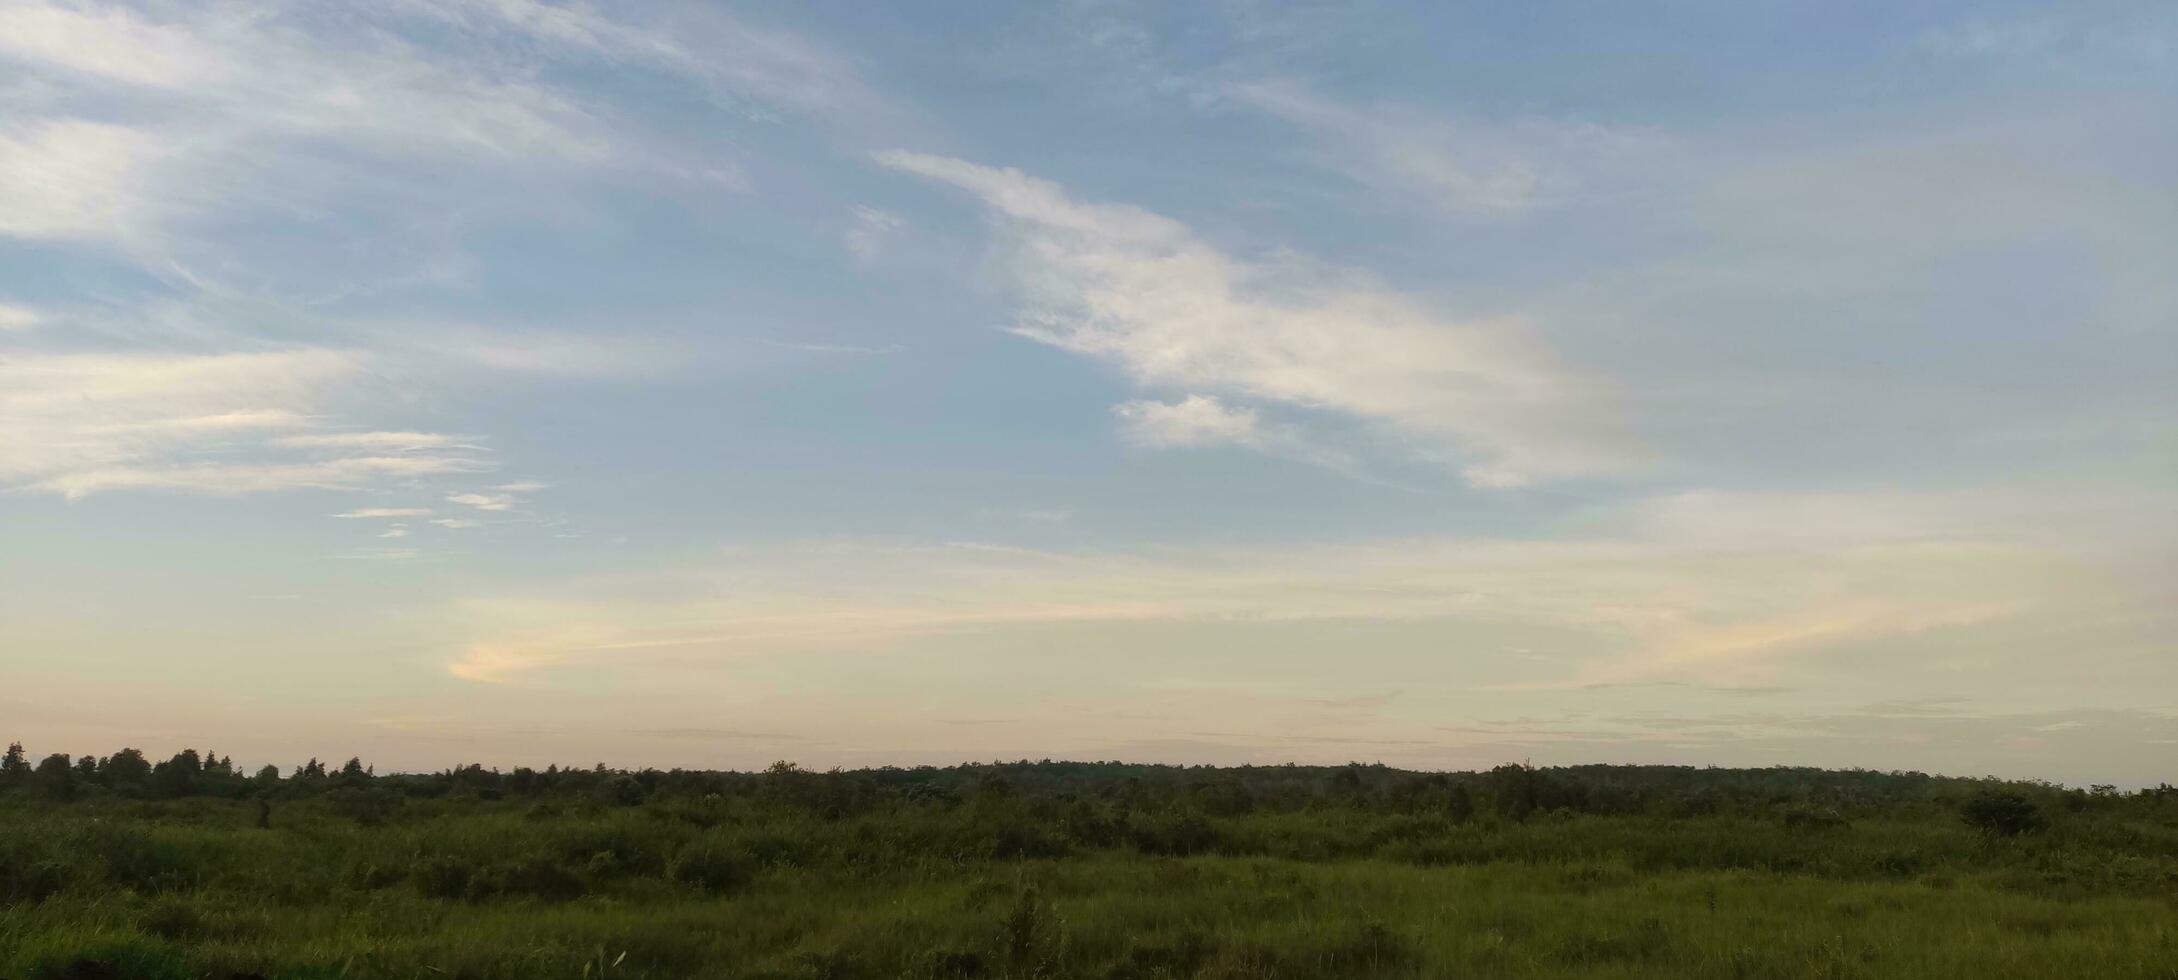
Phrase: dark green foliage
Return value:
(540, 878)
(14, 767)
(714, 870)
(1100, 870)
(2004, 813)
(56, 777)
(444, 876)
(125, 770)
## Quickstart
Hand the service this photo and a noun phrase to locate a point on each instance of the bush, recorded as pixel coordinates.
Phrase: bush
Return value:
(27, 874)
(443, 877)
(539, 878)
(2003, 813)
(715, 872)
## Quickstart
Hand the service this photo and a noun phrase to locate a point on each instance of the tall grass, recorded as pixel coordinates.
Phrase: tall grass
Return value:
(1067, 886)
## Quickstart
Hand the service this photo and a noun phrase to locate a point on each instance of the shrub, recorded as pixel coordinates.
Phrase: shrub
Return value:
(2004, 813)
(1182, 833)
(715, 872)
(443, 876)
(27, 874)
(1029, 942)
(539, 878)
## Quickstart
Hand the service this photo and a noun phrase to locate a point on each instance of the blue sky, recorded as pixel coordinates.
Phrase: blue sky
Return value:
(694, 384)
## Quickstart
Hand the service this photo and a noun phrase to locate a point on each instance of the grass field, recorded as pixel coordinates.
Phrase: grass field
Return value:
(1291, 876)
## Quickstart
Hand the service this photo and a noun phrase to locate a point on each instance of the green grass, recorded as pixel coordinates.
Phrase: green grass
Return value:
(1034, 887)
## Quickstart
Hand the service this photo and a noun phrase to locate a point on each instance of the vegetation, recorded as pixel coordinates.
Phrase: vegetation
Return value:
(190, 868)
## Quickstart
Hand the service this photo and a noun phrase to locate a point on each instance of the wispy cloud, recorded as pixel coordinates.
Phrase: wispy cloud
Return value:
(395, 442)
(870, 230)
(370, 512)
(1138, 289)
(14, 317)
(77, 424)
(1197, 420)
(74, 179)
(483, 501)
(817, 348)
(1466, 166)
(226, 479)
(1635, 600)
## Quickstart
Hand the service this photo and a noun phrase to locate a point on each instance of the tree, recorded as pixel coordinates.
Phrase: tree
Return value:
(353, 774)
(126, 768)
(14, 767)
(57, 776)
(269, 776)
(178, 776)
(1515, 789)
(87, 769)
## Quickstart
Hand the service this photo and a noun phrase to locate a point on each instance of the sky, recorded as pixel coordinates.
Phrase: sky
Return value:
(1440, 384)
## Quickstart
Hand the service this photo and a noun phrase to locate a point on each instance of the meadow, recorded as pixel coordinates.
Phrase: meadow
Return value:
(1097, 870)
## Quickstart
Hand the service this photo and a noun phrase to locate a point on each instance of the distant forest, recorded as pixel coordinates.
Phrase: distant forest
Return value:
(1513, 791)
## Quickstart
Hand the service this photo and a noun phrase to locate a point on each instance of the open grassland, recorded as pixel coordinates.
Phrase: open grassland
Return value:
(1192, 876)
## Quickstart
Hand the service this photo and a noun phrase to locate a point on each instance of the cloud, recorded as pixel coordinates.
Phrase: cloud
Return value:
(396, 442)
(369, 512)
(870, 230)
(228, 479)
(1121, 284)
(14, 317)
(1469, 166)
(78, 423)
(146, 124)
(396, 531)
(1197, 420)
(739, 64)
(74, 179)
(1628, 600)
(2088, 36)
(455, 523)
(109, 43)
(483, 501)
(838, 348)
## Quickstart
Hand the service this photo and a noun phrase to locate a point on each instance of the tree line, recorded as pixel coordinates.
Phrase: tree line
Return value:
(1514, 791)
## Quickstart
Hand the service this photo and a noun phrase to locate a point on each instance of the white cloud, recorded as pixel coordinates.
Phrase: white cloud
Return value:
(483, 501)
(455, 523)
(870, 230)
(69, 412)
(395, 442)
(737, 63)
(249, 106)
(74, 179)
(240, 478)
(1198, 420)
(396, 531)
(108, 43)
(14, 317)
(369, 512)
(1634, 599)
(77, 424)
(1135, 288)
(815, 348)
(1460, 166)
